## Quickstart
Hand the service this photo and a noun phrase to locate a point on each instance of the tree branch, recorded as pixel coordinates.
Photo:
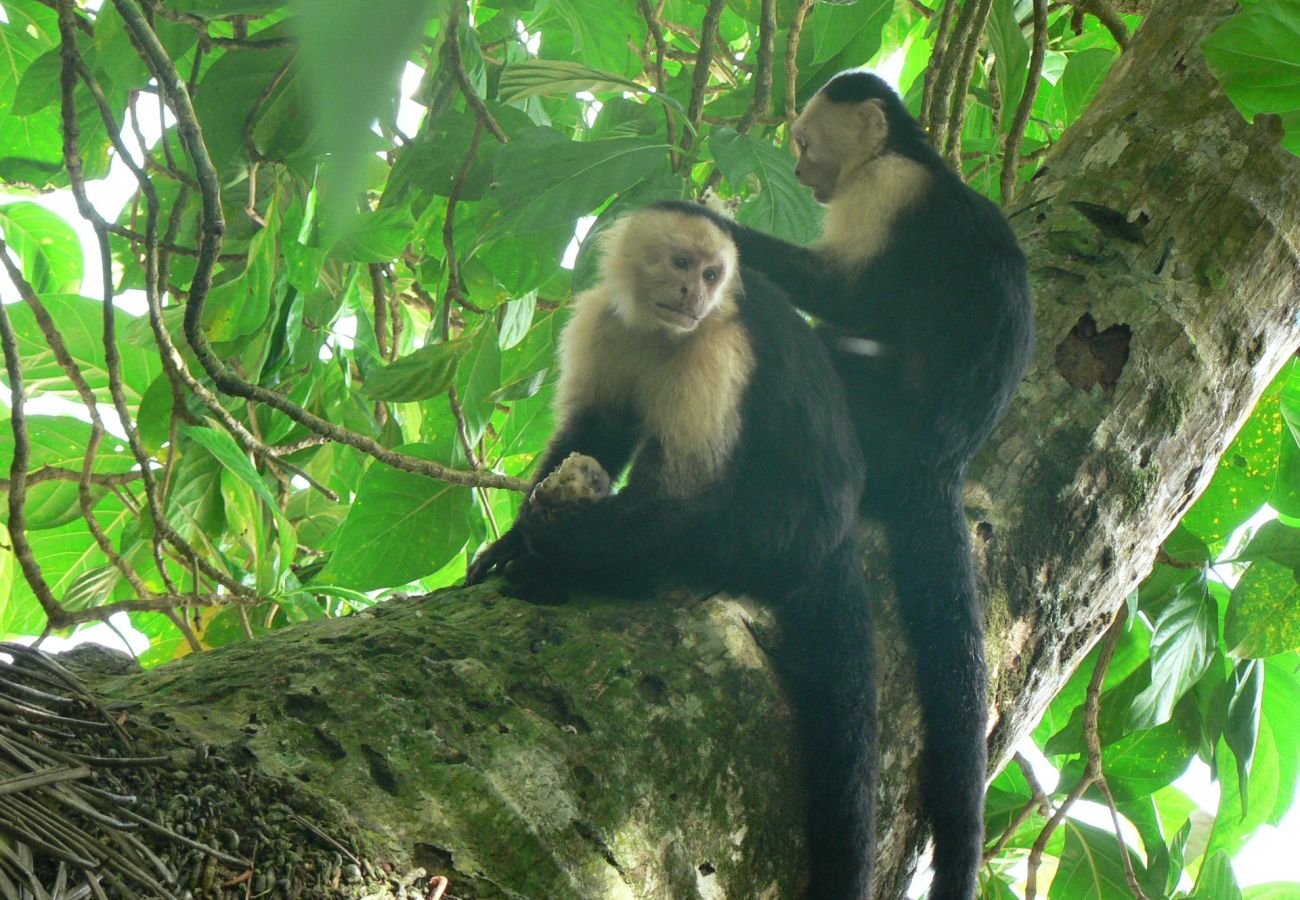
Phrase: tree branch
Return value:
(1016, 134)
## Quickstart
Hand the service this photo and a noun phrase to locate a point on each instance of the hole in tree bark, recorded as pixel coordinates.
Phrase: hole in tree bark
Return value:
(1089, 357)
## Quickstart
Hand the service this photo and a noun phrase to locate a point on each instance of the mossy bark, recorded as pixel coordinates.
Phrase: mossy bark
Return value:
(592, 750)
(610, 749)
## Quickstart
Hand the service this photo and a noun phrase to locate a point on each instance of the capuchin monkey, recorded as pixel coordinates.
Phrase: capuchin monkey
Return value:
(746, 479)
(923, 301)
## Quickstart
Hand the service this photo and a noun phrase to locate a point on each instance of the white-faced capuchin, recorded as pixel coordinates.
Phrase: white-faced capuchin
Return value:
(923, 301)
(746, 479)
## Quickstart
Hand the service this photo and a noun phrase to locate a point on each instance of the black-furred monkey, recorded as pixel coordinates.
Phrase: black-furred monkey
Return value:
(923, 299)
(746, 478)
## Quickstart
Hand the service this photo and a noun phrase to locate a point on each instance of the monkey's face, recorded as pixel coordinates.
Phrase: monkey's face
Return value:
(666, 271)
(683, 284)
(834, 140)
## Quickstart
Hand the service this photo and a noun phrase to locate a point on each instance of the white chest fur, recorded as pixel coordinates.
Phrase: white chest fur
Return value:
(687, 389)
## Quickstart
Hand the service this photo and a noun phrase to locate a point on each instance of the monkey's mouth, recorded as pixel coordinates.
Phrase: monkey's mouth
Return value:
(679, 318)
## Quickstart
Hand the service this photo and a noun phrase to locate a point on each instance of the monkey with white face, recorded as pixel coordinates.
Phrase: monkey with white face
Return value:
(746, 479)
(922, 297)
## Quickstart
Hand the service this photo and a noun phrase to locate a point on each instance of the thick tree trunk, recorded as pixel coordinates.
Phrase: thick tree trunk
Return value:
(608, 749)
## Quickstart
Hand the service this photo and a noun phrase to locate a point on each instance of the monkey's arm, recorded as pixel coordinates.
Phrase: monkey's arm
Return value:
(812, 282)
(609, 435)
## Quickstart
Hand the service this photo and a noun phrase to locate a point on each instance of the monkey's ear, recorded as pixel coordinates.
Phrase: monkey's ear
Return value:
(875, 127)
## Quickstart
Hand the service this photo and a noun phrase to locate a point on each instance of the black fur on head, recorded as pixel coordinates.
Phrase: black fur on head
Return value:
(854, 86)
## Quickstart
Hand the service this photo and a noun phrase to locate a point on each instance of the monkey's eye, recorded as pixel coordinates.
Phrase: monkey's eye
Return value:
(801, 143)
(711, 275)
(681, 262)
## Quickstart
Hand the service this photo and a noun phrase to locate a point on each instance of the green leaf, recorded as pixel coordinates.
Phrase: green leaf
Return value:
(1285, 497)
(834, 27)
(1264, 614)
(1091, 865)
(564, 78)
(420, 374)
(1246, 472)
(1232, 828)
(353, 52)
(68, 552)
(237, 85)
(377, 236)
(479, 379)
(49, 248)
(1011, 55)
(20, 614)
(240, 515)
(401, 526)
(1141, 763)
(221, 445)
(1280, 714)
(1253, 56)
(543, 179)
(1242, 729)
(781, 205)
(1216, 881)
(1186, 635)
(80, 322)
(601, 33)
(516, 319)
(1274, 540)
(1274, 890)
(40, 85)
(61, 442)
(1082, 78)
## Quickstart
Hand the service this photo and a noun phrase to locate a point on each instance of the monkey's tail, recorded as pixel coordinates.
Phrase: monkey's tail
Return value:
(829, 657)
(935, 579)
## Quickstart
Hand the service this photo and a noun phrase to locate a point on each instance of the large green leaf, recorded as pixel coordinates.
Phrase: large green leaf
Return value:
(1091, 865)
(1082, 78)
(562, 78)
(1186, 635)
(1264, 614)
(478, 379)
(1253, 55)
(543, 179)
(353, 52)
(1011, 55)
(65, 554)
(599, 33)
(780, 205)
(1280, 713)
(80, 321)
(61, 442)
(1242, 728)
(401, 526)
(1217, 881)
(1245, 474)
(49, 248)
(1141, 763)
(420, 374)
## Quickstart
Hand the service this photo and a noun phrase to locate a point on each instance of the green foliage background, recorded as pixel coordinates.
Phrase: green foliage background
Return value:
(409, 286)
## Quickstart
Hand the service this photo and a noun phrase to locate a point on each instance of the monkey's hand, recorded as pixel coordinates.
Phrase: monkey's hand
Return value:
(494, 558)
